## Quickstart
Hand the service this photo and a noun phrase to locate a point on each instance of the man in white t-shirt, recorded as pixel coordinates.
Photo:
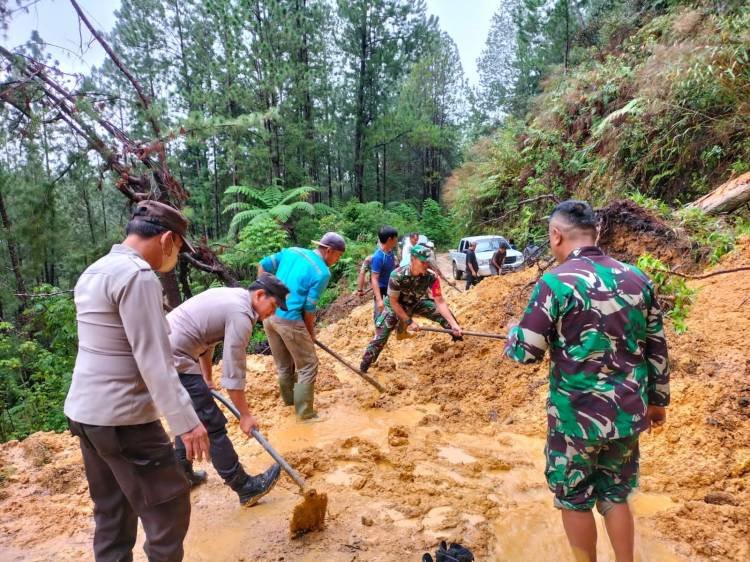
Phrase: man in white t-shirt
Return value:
(406, 251)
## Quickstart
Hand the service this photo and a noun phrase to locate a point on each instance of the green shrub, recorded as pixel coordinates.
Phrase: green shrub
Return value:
(256, 241)
(671, 286)
(437, 226)
(36, 366)
(707, 230)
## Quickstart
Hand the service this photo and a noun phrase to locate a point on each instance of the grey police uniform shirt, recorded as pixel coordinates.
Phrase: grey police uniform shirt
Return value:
(124, 373)
(197, 325)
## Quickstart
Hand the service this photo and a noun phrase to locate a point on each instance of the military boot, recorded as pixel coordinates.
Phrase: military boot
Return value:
(286, 389)
(304, 396)
(195, 477)
(251, 488)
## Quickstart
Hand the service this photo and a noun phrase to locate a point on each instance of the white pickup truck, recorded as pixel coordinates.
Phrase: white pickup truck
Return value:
(486, 247)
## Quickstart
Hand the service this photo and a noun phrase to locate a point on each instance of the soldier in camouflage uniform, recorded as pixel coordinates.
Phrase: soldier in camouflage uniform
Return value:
(412, 289)
(609, 377)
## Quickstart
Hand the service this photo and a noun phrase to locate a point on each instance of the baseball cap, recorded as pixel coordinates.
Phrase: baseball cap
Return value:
(273, 286)
(165, 216)
(420, 252)
(332, 240)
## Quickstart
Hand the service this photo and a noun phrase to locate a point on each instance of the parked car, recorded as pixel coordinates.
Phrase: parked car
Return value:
(486, 247)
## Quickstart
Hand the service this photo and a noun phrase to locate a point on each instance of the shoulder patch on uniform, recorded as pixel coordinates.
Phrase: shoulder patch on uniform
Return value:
(139, 262)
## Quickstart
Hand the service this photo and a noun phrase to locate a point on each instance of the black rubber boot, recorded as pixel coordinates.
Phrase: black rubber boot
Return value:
(251, 488)
(196, 477)
(363, 366)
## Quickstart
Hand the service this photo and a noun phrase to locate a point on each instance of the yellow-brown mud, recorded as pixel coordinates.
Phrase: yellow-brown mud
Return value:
(456, 453)
(309, 514)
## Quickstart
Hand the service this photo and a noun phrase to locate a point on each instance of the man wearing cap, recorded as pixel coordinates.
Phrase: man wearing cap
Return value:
(412, 289)
(124, 379)
(291, 332)
(223, 314)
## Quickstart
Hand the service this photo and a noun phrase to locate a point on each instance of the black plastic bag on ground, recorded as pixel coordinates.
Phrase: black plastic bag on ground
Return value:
(453, 553)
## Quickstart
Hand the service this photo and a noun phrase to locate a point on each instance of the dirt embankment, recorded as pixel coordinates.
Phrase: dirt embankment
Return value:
(454, 451)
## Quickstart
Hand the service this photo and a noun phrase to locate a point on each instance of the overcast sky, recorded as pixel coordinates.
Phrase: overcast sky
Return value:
(466, 21)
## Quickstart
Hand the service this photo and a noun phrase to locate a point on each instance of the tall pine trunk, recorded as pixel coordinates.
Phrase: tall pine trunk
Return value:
(359, 130)
(15, 261)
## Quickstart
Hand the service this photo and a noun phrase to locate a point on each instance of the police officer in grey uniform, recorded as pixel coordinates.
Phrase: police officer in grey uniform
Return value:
(223, 314)
(124, 379)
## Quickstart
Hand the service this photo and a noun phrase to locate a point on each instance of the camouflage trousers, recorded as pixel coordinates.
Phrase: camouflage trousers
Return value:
(388, 321)
(584, 473)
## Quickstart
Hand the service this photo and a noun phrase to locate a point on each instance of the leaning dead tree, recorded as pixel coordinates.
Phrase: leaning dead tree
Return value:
(139, 165)
(726, 198)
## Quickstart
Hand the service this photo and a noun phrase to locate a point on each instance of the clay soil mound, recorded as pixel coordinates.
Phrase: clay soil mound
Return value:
(453, 452)
(629, 231)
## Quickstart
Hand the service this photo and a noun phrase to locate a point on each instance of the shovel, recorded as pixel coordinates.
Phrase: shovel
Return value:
(311, 513)
(365, 376)
(465, 333)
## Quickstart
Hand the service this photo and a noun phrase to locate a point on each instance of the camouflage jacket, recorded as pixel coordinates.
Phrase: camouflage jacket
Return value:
(608, 354)
(410, 289)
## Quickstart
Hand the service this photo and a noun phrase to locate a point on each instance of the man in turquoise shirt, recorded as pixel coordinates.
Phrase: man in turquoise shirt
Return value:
(291, 333)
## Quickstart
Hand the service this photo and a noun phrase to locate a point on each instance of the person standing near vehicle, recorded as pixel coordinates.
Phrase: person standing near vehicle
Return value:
(124, 380)
(291, 333)
(472, 266)
(498, 259)
(226, 315)
(608, 379)
(382, 264)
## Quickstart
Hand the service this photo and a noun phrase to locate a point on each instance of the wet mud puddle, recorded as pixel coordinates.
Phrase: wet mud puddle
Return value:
(397, 487)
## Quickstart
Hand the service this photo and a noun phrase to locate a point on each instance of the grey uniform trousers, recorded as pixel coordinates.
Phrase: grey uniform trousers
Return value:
(132, 473)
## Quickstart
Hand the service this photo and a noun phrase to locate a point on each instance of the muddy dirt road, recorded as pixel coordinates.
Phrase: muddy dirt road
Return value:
(455, 451)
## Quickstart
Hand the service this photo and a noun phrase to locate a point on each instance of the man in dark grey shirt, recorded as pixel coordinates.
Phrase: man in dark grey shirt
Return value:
(124, 379)
(472, 266)
(225, 314)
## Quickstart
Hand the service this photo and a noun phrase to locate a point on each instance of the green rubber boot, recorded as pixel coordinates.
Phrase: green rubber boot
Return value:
(304, 395)
(286, 389)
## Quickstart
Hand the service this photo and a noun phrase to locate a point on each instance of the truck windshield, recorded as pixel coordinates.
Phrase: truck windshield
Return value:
(489, 245)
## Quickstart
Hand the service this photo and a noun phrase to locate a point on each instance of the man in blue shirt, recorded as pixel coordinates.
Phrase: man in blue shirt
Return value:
(291, 333)
(382, 264)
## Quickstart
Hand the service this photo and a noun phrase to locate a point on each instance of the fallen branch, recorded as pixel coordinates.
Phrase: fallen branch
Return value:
(713, 273)
(216, 268)
(42, 295)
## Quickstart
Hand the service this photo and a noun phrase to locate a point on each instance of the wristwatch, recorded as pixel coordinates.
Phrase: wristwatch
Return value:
(409, 321)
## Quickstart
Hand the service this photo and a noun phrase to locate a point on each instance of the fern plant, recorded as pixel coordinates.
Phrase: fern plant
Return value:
(272, 202)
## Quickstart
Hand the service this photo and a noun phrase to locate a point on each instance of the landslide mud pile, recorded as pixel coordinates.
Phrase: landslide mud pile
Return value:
(453, 451)
(629, 231)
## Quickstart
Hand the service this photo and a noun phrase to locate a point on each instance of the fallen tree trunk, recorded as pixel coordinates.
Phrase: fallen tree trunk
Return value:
(725, 198)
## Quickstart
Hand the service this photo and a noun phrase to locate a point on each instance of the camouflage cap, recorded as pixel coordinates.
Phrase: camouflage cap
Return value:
(422, 253)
